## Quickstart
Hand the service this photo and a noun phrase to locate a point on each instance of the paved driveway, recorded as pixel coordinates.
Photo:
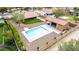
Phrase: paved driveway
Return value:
(73, 35)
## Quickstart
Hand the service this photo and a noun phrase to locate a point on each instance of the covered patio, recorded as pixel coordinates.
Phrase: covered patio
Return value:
(58, 23)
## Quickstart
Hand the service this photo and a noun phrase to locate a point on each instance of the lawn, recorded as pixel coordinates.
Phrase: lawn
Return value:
(31, 21)
(71, 18)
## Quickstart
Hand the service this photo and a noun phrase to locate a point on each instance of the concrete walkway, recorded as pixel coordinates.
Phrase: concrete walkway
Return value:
(73, 35)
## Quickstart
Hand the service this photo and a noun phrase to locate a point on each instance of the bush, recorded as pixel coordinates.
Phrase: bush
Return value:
(16, 35)
(72, 45)
(1, 24)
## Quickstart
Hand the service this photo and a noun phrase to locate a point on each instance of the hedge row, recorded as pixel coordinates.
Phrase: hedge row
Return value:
(16, 36)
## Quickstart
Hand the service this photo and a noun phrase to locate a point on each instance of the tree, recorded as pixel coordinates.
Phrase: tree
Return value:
(7, 37)
(4, 9)
(72, 45)
(59, 12)
(18, 16)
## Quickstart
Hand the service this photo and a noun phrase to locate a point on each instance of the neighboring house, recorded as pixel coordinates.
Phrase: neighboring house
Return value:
(44, 12)
(72, 11)
(47, 11)
(7, 15)
(30, 15)
(58, 23)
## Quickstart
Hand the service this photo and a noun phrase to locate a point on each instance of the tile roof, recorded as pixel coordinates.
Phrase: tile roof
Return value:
(58, 21)
(29, 14)
(47, 10)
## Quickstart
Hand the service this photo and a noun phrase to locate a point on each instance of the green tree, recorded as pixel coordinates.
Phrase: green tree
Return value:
(5, 9)
(59, 12)
(8, 34)
(18, 16)
(8, 37)
(72, 45)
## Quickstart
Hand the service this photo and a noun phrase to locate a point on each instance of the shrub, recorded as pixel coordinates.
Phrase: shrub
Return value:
(16, 35)
(72, 45)
(1, 24)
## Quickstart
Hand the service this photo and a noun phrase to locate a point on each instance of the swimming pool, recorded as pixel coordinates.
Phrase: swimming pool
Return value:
(35, 33)
(40, 31)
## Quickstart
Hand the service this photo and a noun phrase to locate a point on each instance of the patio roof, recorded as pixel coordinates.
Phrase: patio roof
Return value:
(29, 14)
(57, 21)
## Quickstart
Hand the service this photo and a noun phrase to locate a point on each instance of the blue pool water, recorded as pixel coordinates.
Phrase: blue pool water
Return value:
(35, 33)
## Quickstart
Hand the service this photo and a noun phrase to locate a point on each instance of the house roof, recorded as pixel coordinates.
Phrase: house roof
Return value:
(30, 14)
(44, 11)
(47, 10)
(58, 21)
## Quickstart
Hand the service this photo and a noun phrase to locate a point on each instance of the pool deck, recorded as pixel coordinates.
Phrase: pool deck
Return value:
(51, 37)
(21, 28)
(73, 35)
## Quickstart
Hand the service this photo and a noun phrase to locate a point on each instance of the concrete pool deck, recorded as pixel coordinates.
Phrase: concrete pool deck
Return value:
(73, 35)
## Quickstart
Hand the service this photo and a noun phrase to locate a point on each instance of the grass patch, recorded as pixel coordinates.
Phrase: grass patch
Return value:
(31, 21)
(71, 18)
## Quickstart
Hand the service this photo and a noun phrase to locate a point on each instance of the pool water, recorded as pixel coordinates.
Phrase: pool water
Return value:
(40, 31)
(35, 33)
